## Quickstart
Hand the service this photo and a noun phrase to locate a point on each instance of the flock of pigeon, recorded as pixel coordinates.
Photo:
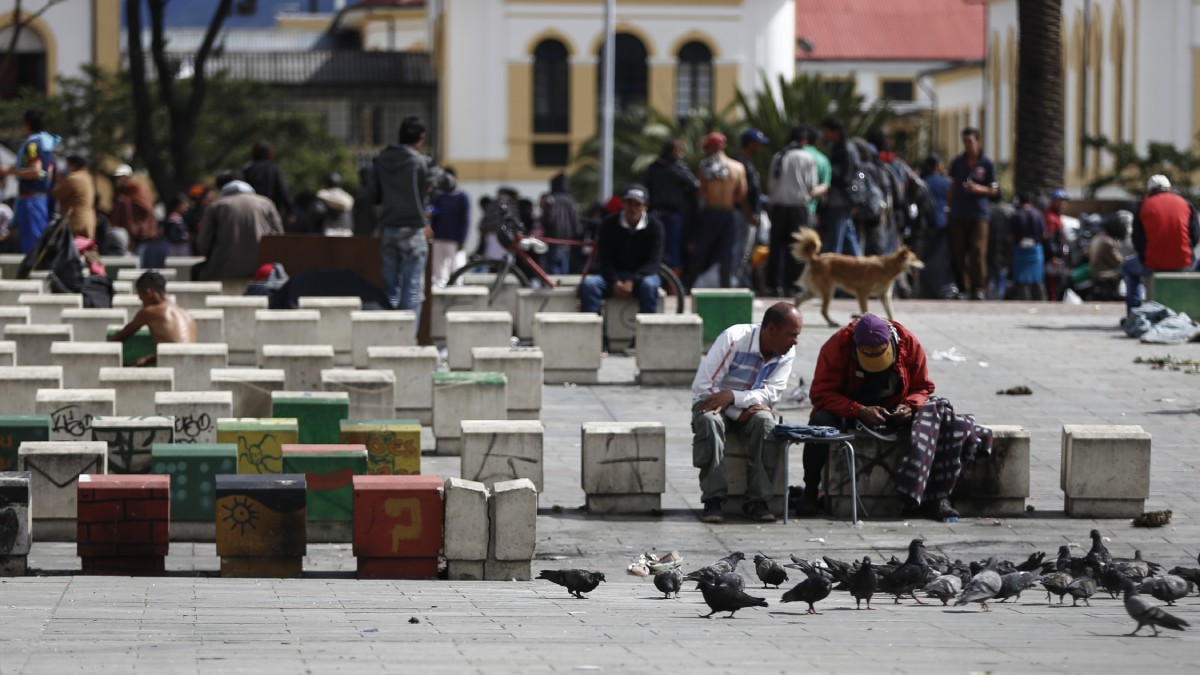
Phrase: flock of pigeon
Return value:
(936, 577)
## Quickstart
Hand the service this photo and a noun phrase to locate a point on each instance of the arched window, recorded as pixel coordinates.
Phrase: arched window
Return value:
(551, 88)
(630, 86)
(693, 79)
(27, 68)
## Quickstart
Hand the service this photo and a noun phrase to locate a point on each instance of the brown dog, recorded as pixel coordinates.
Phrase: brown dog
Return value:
(867, 277)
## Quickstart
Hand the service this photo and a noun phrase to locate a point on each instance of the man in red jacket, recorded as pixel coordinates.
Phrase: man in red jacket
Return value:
(873, 371)
(1166, 231)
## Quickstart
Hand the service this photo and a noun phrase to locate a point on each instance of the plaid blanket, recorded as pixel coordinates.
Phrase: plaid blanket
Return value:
(941, 444)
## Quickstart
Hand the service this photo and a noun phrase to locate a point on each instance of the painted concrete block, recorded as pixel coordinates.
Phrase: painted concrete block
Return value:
(1105, 470)
(414, 368)
(240, 328)
(90, 324)
(193, 469)
(372, 392)
(301, 364)
(381, 328)
(328, 471)
(16, 515)
(335, 327)
(393, 445)
(497, 450)
(259, 442)
(669, 348)
(195, 413)
(398, 516)
(513, 516)
(464, 396)
(123, 517)
(130, 440)
(139, 345)
(286, 327)
(47, 307)
(54, 470)
(251, 388)
(71, 411)
(19, 386)
(453, 298)
(466, 330)
(522, 367)
(18, 429)
(531, 301)
(82, 361)
(261, 526)
(466, 523)
(571, 346)
(320, 413)
(34, 340)
(193, 363)
(623, 458)
(136, 387)
(210, 325)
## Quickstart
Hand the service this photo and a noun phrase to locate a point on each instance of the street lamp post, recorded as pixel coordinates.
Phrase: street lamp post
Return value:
(607, 105)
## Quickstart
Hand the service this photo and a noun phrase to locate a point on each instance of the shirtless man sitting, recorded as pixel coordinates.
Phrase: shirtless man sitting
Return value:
(168, 322)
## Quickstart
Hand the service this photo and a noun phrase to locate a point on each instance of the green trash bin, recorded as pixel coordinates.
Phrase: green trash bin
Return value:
(721, 308)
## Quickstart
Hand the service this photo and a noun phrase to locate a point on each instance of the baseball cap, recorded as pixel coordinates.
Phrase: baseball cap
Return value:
(1058, 194)
(1158, 182)
(122, 170)
(636, 192)
(873, 343)
(753, 135)
(714, 140)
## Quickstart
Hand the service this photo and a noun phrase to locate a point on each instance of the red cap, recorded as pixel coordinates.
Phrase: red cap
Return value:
(264, 271)
(714, 140)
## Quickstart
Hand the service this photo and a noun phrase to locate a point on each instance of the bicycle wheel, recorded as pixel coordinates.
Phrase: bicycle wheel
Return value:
(491, 266)
(672, 285)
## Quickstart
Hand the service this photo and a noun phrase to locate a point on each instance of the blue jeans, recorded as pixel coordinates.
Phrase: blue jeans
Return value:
(557, 260)
(672, 238)
(404, 255)
(31, 216)
(594, 289)
(838, 234)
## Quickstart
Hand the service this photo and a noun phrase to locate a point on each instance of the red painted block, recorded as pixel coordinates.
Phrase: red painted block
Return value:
(123, 486)
(397, 568)
(101, 511)
(124, 566)
(123, 517)
(398, 516)
(121, 550)
(148, 509)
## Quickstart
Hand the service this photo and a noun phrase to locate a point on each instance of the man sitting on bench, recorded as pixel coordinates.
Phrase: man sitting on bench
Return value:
(168, 322)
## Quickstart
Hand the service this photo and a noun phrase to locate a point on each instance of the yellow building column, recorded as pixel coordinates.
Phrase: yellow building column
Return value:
(583, 103)
(520, 115)
(106, 34)
(724, 85)
(661, 96)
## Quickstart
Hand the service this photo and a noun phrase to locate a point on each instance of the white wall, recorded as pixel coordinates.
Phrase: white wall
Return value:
(71, 23)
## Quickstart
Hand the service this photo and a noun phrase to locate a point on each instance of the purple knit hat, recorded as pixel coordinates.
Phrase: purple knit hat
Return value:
(871, 331)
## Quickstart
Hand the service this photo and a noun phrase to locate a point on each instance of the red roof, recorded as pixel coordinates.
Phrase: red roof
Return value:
(891, 30)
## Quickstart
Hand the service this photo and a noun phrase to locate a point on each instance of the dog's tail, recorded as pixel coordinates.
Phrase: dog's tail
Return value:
(807, 244)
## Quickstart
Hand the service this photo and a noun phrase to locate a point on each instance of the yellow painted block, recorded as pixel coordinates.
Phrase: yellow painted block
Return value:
(262, 568)
(259, 441)
(393, 446)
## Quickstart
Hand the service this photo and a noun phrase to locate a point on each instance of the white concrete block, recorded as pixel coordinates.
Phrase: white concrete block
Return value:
(91, 324)
(571, 345)
(506, 299)
(12, 315)
(522, 367)
(195, 413)
(1105, 470)
(414, 368)
(115, 263)
(466, 330)
(132, 274)
(131, 301)
(453, 298)
(130, 440)
(55, 468)
(210, 325)
(372, 392)
(997, 485)
(301, 364)
(82, 361)
(464, 396)
(624, 458)
(286, 327)
(47, 307)
(335, 327)
(251, 388)
(513, 515)
(34, 340)
(19, 386)
(531, 301)
(8, 353)
(466, 521)
(71, 411)
(10, 263)
(381, 328)
(465, 570)
(183, 264)
(240, 326)
(136, 387)
(125, 287)
(567, 280)
(494, 450)
(12, 289)
(669, 348)
(193, 363)
(193, 294)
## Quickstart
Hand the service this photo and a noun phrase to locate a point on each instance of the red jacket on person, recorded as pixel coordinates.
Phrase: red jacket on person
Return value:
(1165, 231)
(838, 377)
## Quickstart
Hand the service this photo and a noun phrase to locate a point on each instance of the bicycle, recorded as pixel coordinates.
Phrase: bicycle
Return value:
(521, 249)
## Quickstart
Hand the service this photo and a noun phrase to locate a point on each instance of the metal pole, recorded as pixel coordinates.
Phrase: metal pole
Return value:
(607, 106)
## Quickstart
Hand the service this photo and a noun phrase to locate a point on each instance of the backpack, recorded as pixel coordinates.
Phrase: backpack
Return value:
(865, 195)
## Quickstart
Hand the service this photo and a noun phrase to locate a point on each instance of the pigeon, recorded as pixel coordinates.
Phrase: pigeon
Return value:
(731, 579)
(982, 587)
(839, 570)
(943, 588)
(1082, 588)
(1011, 585)
(1056, 583)
(1066, 563)
(1168, 588)
(1136, 568)
(1192, 574)
(577, 582)
(669, 581)
(769, 571)
(721, 598)
(1112, 580)
(1033, 562)
(1099, 552)
(862, 583)
(812, 590)
(1146, 614)
(909, 576)
(727, 564)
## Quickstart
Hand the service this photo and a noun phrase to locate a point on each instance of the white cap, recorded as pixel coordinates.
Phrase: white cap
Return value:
(122, 170)
(1158, 183)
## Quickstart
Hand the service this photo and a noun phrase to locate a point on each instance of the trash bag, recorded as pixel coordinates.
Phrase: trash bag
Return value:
(1173, 330)
(55, 251)
(1141, 319)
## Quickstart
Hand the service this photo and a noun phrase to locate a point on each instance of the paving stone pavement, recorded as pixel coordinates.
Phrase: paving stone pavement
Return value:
(1079, 366)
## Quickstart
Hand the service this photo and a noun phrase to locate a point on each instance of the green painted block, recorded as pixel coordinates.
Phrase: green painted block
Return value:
(1178, 290)
(721, 308)
(18, 429)
(193, 468)
(393, 446)
(259, 441)
(329, 472)
(478, 378)
(320, 414)
(137, 346)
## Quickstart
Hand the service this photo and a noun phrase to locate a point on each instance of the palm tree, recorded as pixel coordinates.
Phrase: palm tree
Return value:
(1039, 160)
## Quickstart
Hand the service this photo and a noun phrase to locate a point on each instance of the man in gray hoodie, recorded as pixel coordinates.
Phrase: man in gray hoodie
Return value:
(400, 186)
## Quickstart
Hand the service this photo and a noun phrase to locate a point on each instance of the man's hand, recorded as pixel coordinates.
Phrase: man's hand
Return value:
(717, 402)
(623, 289)
(428, 233)
(902, 413)
(872, 415)
(751, 411)
(145, 361)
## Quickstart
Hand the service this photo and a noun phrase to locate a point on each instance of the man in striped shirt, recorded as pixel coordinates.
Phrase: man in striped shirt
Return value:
(740, 379)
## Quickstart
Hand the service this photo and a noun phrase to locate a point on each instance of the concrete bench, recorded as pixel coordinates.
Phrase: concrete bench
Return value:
(48, 307)
(335, 325)
(195, 413)
(467, 330)
(512, 512)
(414, 368)
(34, 340)
(453, 298)
(398, 526)
(262, 552)
(54, 469)
(721, 308)
(1105, 470)
(393, 446)
(669, 349)
(15, 546)
(14, 315)
(498, 450)
(241, 329)
(193, 294)
(71, 411)
(381, 328)
(193, 469)
(532, 301)
(506, 298)
(620, 320)
(624, 466)
(91, 324)
(372, 392)
(318, 413)
(124, 524)
(259, 441)
(571, 346)
(82, 361)
(8, 353)
(182, 265)
(12, 289)
(136, 387)
(301, 364)
(135, 273)
(251, 388)
(19, 386)
(132, 302)
(467, 529)
(1178, 290)
(287, 327)
(735, 476)
(464, 396)
(130, 439)
(522, 366)
(193, 363)
(18, 429)
(329, 469)
(210, 325)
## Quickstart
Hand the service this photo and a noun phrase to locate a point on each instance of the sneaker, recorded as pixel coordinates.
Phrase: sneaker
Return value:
(758, 511)
(911, 506)
(945, 510)
(979, 295)
(712, 512)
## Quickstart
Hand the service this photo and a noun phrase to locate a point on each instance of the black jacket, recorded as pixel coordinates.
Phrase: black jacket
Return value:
(624, 252)
(670, 184)
(844, 162)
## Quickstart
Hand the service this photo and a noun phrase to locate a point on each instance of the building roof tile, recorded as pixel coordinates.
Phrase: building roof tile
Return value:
(891, 30)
